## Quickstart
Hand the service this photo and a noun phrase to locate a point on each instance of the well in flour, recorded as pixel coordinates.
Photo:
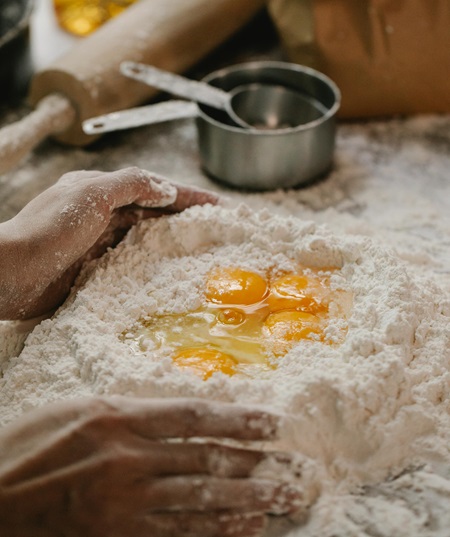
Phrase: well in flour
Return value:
(357, 412)
(246, 321)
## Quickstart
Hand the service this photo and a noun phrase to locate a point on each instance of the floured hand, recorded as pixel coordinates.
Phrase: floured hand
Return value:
(78, 218)
(122, 467)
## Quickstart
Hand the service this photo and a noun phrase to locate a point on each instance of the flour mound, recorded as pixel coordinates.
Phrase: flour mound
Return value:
(358, 412)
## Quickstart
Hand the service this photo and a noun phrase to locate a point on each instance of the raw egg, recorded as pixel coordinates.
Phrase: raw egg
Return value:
(235, 286)
(296, 291)
(204, 362)
(246, 321)
(283, 328)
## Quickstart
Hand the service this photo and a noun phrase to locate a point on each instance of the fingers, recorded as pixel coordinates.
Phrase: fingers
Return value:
(189, 196)
(192, 458)
(201, 458)
(111, 458)
(134, 185)
(186, 196)
(175, 418)
(194, 493)
(126, 186)
(163, 459)
(204, 524)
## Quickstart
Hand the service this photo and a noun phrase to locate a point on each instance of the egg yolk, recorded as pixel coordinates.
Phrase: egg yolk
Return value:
(230, 316)
(284, 328)
(204, 362)
(295, 291)
(245, 321)
(226, 285)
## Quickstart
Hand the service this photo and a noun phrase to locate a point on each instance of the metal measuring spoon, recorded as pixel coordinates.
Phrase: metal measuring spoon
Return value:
(255, 158)
(199, 92)
(249, 106)
(140, 116)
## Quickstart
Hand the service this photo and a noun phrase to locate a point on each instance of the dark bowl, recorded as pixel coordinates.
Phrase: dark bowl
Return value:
(15, 55)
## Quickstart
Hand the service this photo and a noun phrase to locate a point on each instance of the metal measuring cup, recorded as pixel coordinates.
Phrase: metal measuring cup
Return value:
(298, 149)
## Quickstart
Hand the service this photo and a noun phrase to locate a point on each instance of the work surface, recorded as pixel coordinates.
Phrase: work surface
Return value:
(390, 179)
(390, 182)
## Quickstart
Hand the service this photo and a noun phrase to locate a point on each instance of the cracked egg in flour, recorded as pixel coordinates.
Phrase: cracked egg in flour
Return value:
(247, 320)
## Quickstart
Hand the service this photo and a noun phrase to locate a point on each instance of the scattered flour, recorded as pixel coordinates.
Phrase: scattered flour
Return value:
(359, 413)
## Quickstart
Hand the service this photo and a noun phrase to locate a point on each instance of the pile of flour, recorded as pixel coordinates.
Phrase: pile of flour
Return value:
(359, 413)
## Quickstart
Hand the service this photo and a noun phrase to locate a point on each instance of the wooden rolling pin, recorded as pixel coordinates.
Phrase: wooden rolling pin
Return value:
(86, 82)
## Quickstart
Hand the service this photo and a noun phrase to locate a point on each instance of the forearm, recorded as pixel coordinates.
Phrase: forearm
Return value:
(13, 258)
(25, 274)
(36, 249)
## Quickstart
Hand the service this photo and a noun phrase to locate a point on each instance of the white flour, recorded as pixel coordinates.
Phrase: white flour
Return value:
(359, 413)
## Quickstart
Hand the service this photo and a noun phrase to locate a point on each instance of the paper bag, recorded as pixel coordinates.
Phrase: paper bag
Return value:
(387, 56)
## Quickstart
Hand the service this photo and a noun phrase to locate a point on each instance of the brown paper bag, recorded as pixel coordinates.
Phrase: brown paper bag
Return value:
(387, 56)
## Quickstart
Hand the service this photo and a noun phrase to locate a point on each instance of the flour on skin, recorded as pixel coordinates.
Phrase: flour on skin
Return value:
(358, 412)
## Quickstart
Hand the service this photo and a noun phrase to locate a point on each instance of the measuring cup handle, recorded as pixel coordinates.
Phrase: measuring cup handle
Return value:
(142, 115)
(176, 84)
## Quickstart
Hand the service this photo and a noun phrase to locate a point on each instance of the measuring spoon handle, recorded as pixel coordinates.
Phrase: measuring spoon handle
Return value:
(142, 115)
(175, 84)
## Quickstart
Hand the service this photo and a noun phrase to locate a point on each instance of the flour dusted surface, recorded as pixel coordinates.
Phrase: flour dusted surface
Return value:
(359, 412)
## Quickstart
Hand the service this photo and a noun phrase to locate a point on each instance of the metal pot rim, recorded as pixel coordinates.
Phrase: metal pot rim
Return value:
(331, 112)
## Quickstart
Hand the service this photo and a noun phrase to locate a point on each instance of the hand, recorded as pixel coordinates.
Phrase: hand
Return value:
(127, 467)
(78, 218)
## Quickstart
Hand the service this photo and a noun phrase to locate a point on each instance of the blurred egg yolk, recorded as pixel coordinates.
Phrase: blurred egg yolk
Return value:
(245, 321)
(235, 286)
(283, 328)
(204, 362)
(295, 291)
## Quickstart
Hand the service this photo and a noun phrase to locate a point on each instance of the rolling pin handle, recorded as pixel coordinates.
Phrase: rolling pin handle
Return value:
(53, 114)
